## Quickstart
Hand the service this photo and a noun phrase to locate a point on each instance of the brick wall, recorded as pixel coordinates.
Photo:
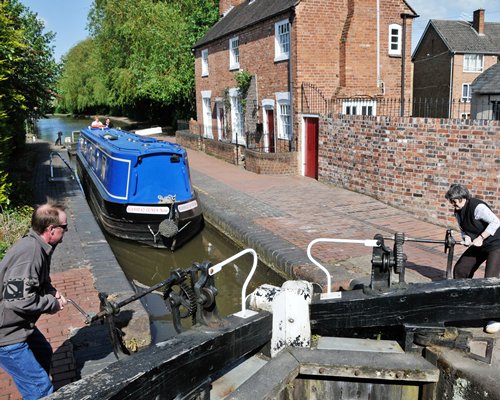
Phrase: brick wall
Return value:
(188, 139)
(410, 162)
(224, 151)
(271, 163)
(336, 47)
(432, 68)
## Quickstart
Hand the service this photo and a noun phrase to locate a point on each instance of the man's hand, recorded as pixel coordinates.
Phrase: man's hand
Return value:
(61, 301)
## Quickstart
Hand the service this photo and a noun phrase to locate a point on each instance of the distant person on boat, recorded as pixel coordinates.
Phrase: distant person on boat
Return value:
(26, 293)
(97, 123)
(59, 138)
(481, 234)
(109, 124)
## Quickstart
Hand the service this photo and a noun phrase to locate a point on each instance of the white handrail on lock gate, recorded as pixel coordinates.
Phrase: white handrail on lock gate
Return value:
(244, 313)
(368, 243)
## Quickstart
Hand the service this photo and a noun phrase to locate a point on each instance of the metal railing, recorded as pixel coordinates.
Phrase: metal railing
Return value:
(313, 101)
(269, 143)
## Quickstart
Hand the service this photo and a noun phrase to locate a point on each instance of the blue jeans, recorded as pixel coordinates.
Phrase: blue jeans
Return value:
(28, 363)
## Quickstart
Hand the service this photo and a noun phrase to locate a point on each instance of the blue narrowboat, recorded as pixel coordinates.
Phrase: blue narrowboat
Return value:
(138, 187)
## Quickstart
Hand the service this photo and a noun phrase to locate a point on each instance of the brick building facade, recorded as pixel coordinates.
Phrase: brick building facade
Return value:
(332, 45)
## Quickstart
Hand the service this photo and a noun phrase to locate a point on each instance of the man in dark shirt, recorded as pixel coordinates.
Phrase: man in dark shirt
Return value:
(26, 293)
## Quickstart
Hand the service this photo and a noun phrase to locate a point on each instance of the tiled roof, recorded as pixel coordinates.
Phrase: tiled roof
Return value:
(244, 15)
(460, 36)
(488, 81)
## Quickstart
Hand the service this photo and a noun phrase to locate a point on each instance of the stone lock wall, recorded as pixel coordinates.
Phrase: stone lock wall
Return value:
(410, 163)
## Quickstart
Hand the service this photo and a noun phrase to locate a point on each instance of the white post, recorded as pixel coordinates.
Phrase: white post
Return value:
(291, 324)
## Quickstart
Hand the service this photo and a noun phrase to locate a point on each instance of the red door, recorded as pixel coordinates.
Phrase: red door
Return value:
(270, 129)
(311, 169)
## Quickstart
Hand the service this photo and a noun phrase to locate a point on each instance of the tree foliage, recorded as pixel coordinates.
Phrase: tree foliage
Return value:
(140, 52)
(27, 74)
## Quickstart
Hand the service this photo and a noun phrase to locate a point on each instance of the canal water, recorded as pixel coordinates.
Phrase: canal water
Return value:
(145, 266)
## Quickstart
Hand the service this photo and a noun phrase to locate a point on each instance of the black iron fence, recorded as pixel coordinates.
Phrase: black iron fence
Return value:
(314, 102)
(256, 140)
(270, 143)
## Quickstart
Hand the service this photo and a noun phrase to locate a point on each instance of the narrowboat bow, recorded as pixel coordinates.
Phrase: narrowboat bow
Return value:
(138, 187)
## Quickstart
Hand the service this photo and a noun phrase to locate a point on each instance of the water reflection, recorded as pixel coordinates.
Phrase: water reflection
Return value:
(48, 127)
(148, 266)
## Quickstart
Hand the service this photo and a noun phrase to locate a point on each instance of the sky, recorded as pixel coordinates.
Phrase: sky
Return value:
(68, 18)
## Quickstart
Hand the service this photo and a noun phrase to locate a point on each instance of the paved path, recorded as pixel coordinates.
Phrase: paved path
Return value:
(280, 215)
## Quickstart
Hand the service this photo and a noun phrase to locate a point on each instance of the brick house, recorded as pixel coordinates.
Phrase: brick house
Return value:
(353, 53)
(447, 59)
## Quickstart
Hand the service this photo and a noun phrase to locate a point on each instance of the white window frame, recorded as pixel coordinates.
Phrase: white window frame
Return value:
(234, 53)
(395, 38)
(359, 107)
(473, 62)
(207, 114)
(283, 116)
(204, 62)
(282, 40)
(466, 93)
(237, 122)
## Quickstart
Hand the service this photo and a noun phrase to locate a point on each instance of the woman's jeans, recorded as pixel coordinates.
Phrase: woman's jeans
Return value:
(28, 363)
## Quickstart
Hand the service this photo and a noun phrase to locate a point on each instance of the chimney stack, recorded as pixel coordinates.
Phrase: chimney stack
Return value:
(478, 21)
(225, 5)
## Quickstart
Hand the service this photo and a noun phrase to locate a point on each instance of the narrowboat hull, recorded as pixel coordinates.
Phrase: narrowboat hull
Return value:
(166, 224)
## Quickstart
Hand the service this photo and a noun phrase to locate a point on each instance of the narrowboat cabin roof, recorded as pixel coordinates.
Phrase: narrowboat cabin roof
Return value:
(125, 142)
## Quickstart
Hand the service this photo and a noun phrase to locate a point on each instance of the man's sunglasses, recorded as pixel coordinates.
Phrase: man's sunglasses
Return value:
(64, 226)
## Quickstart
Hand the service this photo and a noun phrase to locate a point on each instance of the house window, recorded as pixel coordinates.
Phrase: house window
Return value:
(473, 62)
(237, 122)
(359, 107)
(395, 40)
(284, 117)
(465, 115)
(234, 53)
(495, 110)
(207, 114)
(466, 93)
(204, 62)
(282, 40)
